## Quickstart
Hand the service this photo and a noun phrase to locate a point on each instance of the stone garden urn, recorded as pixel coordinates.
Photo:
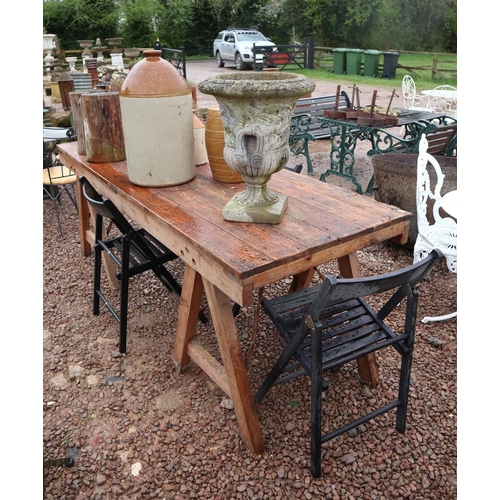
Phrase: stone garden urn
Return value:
(256, 110)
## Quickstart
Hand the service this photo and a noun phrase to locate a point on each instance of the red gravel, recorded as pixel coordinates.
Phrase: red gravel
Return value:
(140, 430)
(118, 414)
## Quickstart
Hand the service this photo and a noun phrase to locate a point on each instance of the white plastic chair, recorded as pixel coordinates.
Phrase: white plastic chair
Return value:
(412, 100)
(442, 233)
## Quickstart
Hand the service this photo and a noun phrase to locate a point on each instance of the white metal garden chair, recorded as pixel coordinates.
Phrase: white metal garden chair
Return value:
(412, 100)
(441, 232)
(444, 99)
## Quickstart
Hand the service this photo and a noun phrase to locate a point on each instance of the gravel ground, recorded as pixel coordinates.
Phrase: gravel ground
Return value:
(137, 429)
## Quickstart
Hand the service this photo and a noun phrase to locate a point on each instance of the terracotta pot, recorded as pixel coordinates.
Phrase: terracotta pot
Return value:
(214, 141)
(65, 87)
(91, 65)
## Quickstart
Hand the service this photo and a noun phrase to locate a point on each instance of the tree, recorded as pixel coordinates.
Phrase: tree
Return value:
(139, 22)
(419, 25)
(73, 20)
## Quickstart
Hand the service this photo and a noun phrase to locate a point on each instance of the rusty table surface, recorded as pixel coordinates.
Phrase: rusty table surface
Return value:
(230, 260)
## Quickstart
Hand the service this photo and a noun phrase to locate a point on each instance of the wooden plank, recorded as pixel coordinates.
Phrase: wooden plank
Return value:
(209, 365)
(235, 369)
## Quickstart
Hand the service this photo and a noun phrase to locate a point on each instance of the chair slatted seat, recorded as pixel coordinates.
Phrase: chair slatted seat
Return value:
(329, 325)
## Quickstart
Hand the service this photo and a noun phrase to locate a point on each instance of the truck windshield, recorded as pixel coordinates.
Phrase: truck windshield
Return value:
(252, 36)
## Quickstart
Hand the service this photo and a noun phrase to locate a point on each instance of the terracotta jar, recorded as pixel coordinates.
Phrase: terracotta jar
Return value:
(214, 139)
(156, 106)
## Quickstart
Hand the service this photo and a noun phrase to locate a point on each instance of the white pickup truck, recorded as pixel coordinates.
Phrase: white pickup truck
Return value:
(234, 45)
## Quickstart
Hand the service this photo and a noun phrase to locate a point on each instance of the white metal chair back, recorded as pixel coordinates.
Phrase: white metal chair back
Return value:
(442, 231)
(56, 177)
(444, 99)
(412, 100)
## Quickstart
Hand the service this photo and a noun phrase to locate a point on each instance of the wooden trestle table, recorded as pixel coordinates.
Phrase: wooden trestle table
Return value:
(231, 260)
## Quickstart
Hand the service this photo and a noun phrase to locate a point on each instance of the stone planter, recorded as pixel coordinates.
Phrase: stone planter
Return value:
(256, 110)
(396, 183)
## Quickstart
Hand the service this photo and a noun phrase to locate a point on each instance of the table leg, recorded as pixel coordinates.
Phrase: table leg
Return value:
(192, 291)
(367, 365)
(234, 366)
(83, 220)
(231, 376)
(302, 281)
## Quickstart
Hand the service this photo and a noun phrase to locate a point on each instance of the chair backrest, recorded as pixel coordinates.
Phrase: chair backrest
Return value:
(441, 140)
(403, 281)
(447, 88)
(105, 207)
(429, 189)
(441, 103)
(409, 91)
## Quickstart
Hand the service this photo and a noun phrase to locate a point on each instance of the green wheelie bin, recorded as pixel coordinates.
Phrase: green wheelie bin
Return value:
(354, 58)
(339, 61)
(372, 58)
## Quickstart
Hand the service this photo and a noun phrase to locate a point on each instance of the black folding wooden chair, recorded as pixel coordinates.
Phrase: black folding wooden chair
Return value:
(331, 324)
(133, 252)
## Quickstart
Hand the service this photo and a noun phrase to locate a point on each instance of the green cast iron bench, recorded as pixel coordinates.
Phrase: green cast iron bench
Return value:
(305, 125)
(441, 136)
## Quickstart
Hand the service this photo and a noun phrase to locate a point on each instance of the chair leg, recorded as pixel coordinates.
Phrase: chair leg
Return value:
(97, 279)
(406, 362)
(316, 390)
(124, 294)
(72, 196)
(404, 392)
(54, 201)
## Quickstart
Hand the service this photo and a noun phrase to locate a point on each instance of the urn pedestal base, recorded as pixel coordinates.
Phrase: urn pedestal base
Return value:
(263, 214)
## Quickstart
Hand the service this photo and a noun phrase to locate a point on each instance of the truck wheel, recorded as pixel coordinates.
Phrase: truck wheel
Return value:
(219, 61)
(240, 65)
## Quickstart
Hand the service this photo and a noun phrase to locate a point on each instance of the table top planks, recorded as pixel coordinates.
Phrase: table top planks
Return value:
(322, 222)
